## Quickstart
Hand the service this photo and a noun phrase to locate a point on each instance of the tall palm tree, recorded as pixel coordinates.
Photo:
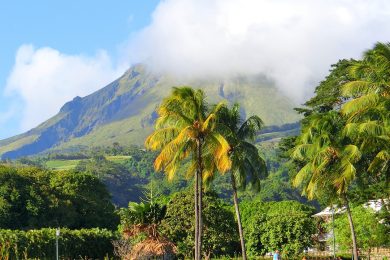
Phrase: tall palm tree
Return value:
(329, 160)
(247, 165)
(185, 129)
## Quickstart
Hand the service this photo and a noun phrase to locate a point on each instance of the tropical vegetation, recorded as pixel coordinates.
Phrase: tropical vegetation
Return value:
(338, 155)
(247, 164)
(345, 135)
(185, 130)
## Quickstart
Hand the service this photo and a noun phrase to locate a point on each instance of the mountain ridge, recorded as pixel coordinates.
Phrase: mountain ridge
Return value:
(124, 111)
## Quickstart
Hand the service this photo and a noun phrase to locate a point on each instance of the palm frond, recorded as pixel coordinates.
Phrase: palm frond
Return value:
(380, 162)
(300, 151)
(371, 128)
(250, 127)
(356, 106)
(304, 173)
(355, 88)
(160, 138)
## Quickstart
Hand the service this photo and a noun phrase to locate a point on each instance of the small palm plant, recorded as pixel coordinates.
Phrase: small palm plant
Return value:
(143, 219)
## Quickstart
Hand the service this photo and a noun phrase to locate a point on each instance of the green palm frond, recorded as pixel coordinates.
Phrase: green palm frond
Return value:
(300, 151)
(351, 153)
(371, 128)
(380, 162)
(357, 106)
(250, 127)
(356, 88)
(351, 129)
(246, 164)
(304, 173)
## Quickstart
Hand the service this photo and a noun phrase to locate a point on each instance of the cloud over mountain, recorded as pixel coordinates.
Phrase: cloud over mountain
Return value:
(291, 42)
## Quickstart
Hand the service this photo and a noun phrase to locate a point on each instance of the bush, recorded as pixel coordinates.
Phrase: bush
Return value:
(369, 230)
(286, 226)
(34, 198)
(220, 236)
(40, 243)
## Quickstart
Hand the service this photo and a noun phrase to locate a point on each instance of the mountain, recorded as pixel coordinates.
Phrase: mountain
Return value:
(124, 111)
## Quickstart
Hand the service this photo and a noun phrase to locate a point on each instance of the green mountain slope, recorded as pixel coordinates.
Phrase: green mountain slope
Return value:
(123, 111)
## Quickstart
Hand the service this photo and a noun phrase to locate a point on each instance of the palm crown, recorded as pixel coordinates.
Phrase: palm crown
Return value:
(247, 165)
(183, 122)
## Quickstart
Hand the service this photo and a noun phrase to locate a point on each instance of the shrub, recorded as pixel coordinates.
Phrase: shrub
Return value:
(40, 243)
(286, 226)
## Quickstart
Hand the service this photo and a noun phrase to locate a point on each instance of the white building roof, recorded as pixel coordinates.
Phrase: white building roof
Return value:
(327, 212)
(375, 205)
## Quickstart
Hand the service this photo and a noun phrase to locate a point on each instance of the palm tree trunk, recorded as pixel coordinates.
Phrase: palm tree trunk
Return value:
(353, 235)
(196, 216)
(237, 208)
(200, 216)
(198, 203)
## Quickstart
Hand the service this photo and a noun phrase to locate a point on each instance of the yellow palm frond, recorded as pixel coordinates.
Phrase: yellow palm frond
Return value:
(303, 174)
(209, 120)
(221, 154)
(160, 137)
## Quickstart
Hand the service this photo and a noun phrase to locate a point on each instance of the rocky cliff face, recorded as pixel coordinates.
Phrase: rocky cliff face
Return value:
(124, 111)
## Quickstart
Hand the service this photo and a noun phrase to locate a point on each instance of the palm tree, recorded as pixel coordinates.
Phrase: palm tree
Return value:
(329, 161)
(185, 129)
(368, 107)
(247, 165)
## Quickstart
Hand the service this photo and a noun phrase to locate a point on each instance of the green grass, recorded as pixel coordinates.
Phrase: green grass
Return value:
(62, 164)
(118, 158)
(71, 164)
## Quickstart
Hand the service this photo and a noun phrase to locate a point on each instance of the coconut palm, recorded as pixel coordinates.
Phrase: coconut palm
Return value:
(368, 108)
(329, 160)
(185, 130)
(247, 165)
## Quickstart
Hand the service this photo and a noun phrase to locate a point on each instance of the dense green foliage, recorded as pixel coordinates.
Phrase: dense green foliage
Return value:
(35, 198)
(369, 227)
(40, 243)
(117, 177)
(286, 226)
(127, 178)
(219, 237)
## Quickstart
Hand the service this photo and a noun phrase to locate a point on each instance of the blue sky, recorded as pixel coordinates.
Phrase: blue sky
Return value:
(72, 27)
(52, 51)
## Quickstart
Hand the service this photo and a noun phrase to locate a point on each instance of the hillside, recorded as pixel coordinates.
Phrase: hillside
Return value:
(123, 111)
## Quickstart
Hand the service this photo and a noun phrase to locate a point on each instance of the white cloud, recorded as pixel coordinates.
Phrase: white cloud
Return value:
(293, 42)
(45, 79)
